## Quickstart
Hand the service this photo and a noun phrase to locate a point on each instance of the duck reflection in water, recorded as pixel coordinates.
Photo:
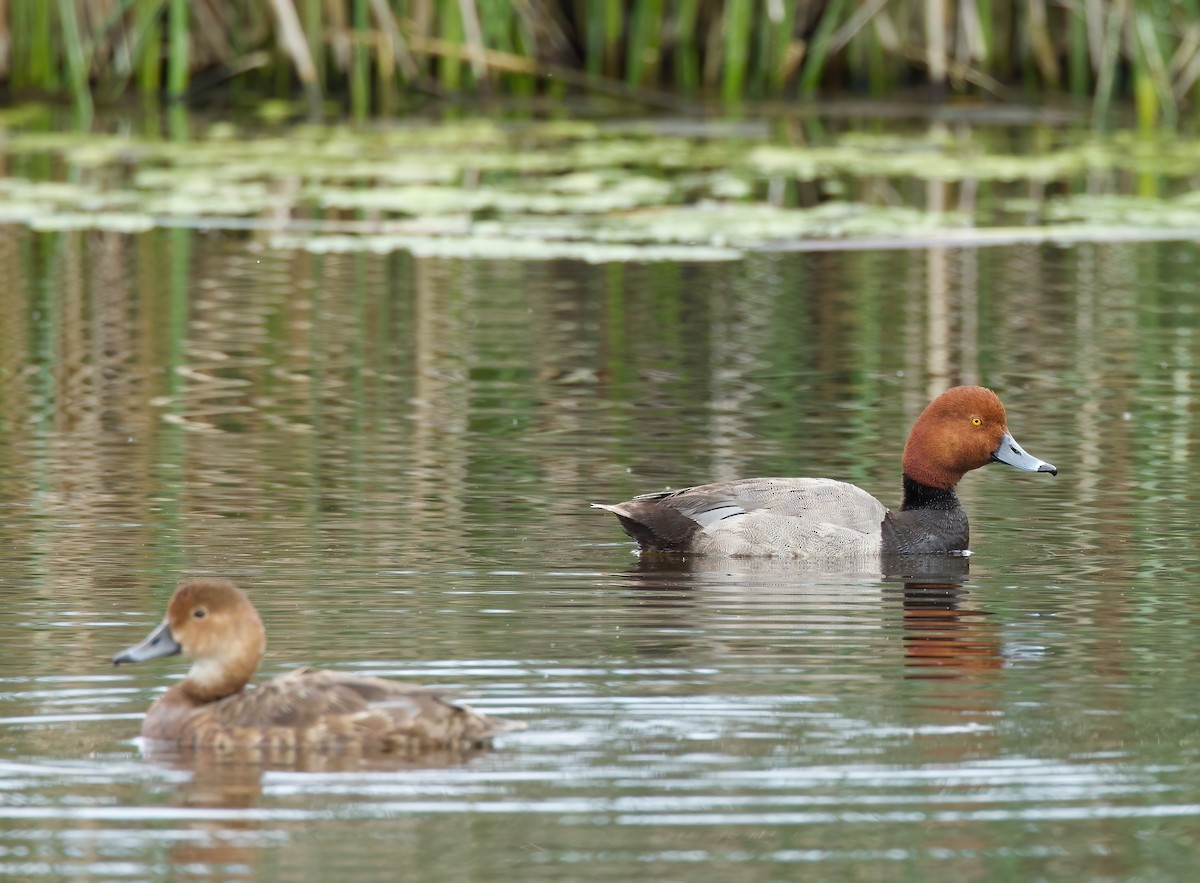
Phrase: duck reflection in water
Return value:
(946, 634)
(226, 843)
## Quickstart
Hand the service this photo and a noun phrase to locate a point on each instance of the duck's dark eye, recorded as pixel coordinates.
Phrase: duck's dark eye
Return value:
(199, 613)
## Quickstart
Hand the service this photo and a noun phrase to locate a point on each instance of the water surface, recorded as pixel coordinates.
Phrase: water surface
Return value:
(394, 455)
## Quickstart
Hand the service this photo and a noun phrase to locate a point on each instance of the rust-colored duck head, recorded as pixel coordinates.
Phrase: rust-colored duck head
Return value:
(213, 623)
(962, 429)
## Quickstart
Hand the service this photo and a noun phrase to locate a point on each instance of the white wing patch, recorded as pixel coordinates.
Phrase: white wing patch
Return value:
(710, 518)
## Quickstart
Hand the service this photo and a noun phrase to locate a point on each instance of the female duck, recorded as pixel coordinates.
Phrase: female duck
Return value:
(214, 624)
(826, 521)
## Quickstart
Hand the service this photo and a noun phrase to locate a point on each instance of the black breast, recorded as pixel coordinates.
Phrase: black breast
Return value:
(930, 520)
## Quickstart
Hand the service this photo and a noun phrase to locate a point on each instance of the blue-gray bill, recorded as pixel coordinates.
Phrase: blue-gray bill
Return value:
(1013, 454)
(159, 642)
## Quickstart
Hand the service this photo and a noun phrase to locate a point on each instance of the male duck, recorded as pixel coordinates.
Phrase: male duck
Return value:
(214, 624)
(826, 521)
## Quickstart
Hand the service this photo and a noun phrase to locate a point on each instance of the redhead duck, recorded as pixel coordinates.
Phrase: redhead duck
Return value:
(828, 522)
(213, 623)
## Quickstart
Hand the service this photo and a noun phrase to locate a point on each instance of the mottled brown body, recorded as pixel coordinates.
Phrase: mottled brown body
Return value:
(307, 710)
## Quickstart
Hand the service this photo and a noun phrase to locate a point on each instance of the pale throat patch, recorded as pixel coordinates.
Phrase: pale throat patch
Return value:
(207, 673)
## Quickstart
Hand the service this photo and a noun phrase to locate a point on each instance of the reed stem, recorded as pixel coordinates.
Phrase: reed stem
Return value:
(814, 64)
(360, 78)
(736, 49)
(43, 72)
(77, 62)
(1142, 51)
(177, 52)
(148, 36)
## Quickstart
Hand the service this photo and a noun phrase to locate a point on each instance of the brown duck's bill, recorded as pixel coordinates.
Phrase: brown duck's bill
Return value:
(1013, 454)
(159, 642)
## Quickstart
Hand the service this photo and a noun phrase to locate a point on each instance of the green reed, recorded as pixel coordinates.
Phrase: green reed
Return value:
(373, 52)
(738, 31)
(76, 58)
(147, 38)
(178, 47)
(360, 65)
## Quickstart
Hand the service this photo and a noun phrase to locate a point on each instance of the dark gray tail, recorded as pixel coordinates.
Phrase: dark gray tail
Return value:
(656, 527)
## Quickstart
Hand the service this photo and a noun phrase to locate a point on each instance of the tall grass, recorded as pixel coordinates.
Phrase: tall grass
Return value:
(373, 54)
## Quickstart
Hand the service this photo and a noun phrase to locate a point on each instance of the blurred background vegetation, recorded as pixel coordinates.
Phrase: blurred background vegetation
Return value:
(387, 56)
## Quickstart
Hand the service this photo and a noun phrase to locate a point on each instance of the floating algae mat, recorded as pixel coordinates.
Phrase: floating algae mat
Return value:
(605, 191)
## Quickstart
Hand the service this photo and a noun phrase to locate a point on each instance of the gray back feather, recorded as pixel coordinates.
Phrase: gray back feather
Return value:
(816, 519)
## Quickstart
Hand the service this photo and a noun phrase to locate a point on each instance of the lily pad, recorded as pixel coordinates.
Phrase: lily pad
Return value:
(625, 190)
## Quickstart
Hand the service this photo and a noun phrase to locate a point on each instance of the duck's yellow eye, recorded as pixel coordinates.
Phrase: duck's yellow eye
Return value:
(975, 421)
